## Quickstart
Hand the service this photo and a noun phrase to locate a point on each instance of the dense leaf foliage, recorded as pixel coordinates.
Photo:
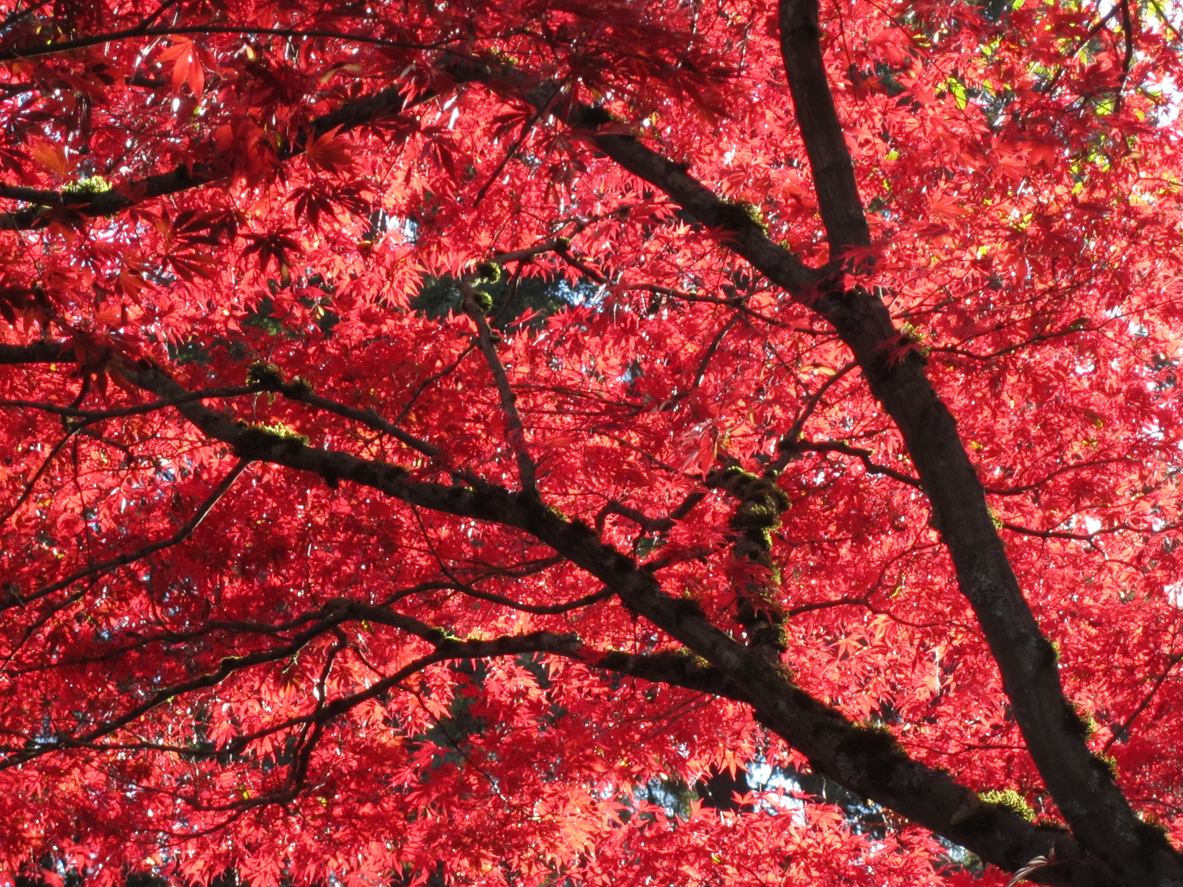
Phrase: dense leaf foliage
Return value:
(436, 436)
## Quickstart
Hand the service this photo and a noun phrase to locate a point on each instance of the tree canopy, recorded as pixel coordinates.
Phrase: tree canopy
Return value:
(437, 435)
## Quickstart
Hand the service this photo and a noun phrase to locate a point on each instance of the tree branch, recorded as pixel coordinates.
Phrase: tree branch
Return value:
(1081, 784)
(833, 446)
(821, 131)
(864, 760)
(37, 352)
(302, 394)
(142, 30)
(183, 533)
(515, 429)
(387, 102)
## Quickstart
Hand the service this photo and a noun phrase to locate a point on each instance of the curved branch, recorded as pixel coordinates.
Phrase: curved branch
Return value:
(185, 531)
(41, 469)
(88, 417)
(368, 109)
(1124, 728)
(301, 394)
(872, 467)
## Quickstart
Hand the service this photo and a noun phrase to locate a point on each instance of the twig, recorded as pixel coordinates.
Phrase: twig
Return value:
(515, 430)
(863, 455)
(1124, 729)
(28, 491)
(790, 436)
(367, 417)
(426, 383)
(34, 50)
(139, 554)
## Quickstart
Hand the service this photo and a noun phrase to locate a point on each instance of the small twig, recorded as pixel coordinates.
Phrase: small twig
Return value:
(458, 584)
(90, 416)
(28, 491)
(426, 383)
(34, 50)
(515, 429)
(1162, 17)
(147, 20)
(790, 436)
(863, 455)
(736, 302)
(1056, 534)
(40, 622)
(139, 554)
(1084, 41)
(713, 348)
(1124, 729)
(1078, 466)
(526, 128)
(534, 609)
(367, 417)
(858, 602)
(704, 364)
(17, 14)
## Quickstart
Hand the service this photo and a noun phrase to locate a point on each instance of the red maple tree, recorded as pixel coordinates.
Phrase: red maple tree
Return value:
(842, 445)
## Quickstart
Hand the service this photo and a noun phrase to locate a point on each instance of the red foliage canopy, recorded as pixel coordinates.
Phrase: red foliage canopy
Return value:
(855, 452)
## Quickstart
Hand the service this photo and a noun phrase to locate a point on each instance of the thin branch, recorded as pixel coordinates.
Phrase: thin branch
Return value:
(37, 624)
(1124, 729)
(736, 302)
(362, 111)
(859, 602)
(510, 152)
(794, 432)
(146, 21)
(91, 416)
(863, 455)
(368, 418)
(1077, 466)
(106, 566)
(713, 348)
(535, 609)
(41, 49)
(1081, 44)
(17, 14)
(426, 383)
(228, 666)
(1162, 17)
(291, 391)
(1052, 534)
(446, 648)
(515, 429)
(40, 197)
(28, 491)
